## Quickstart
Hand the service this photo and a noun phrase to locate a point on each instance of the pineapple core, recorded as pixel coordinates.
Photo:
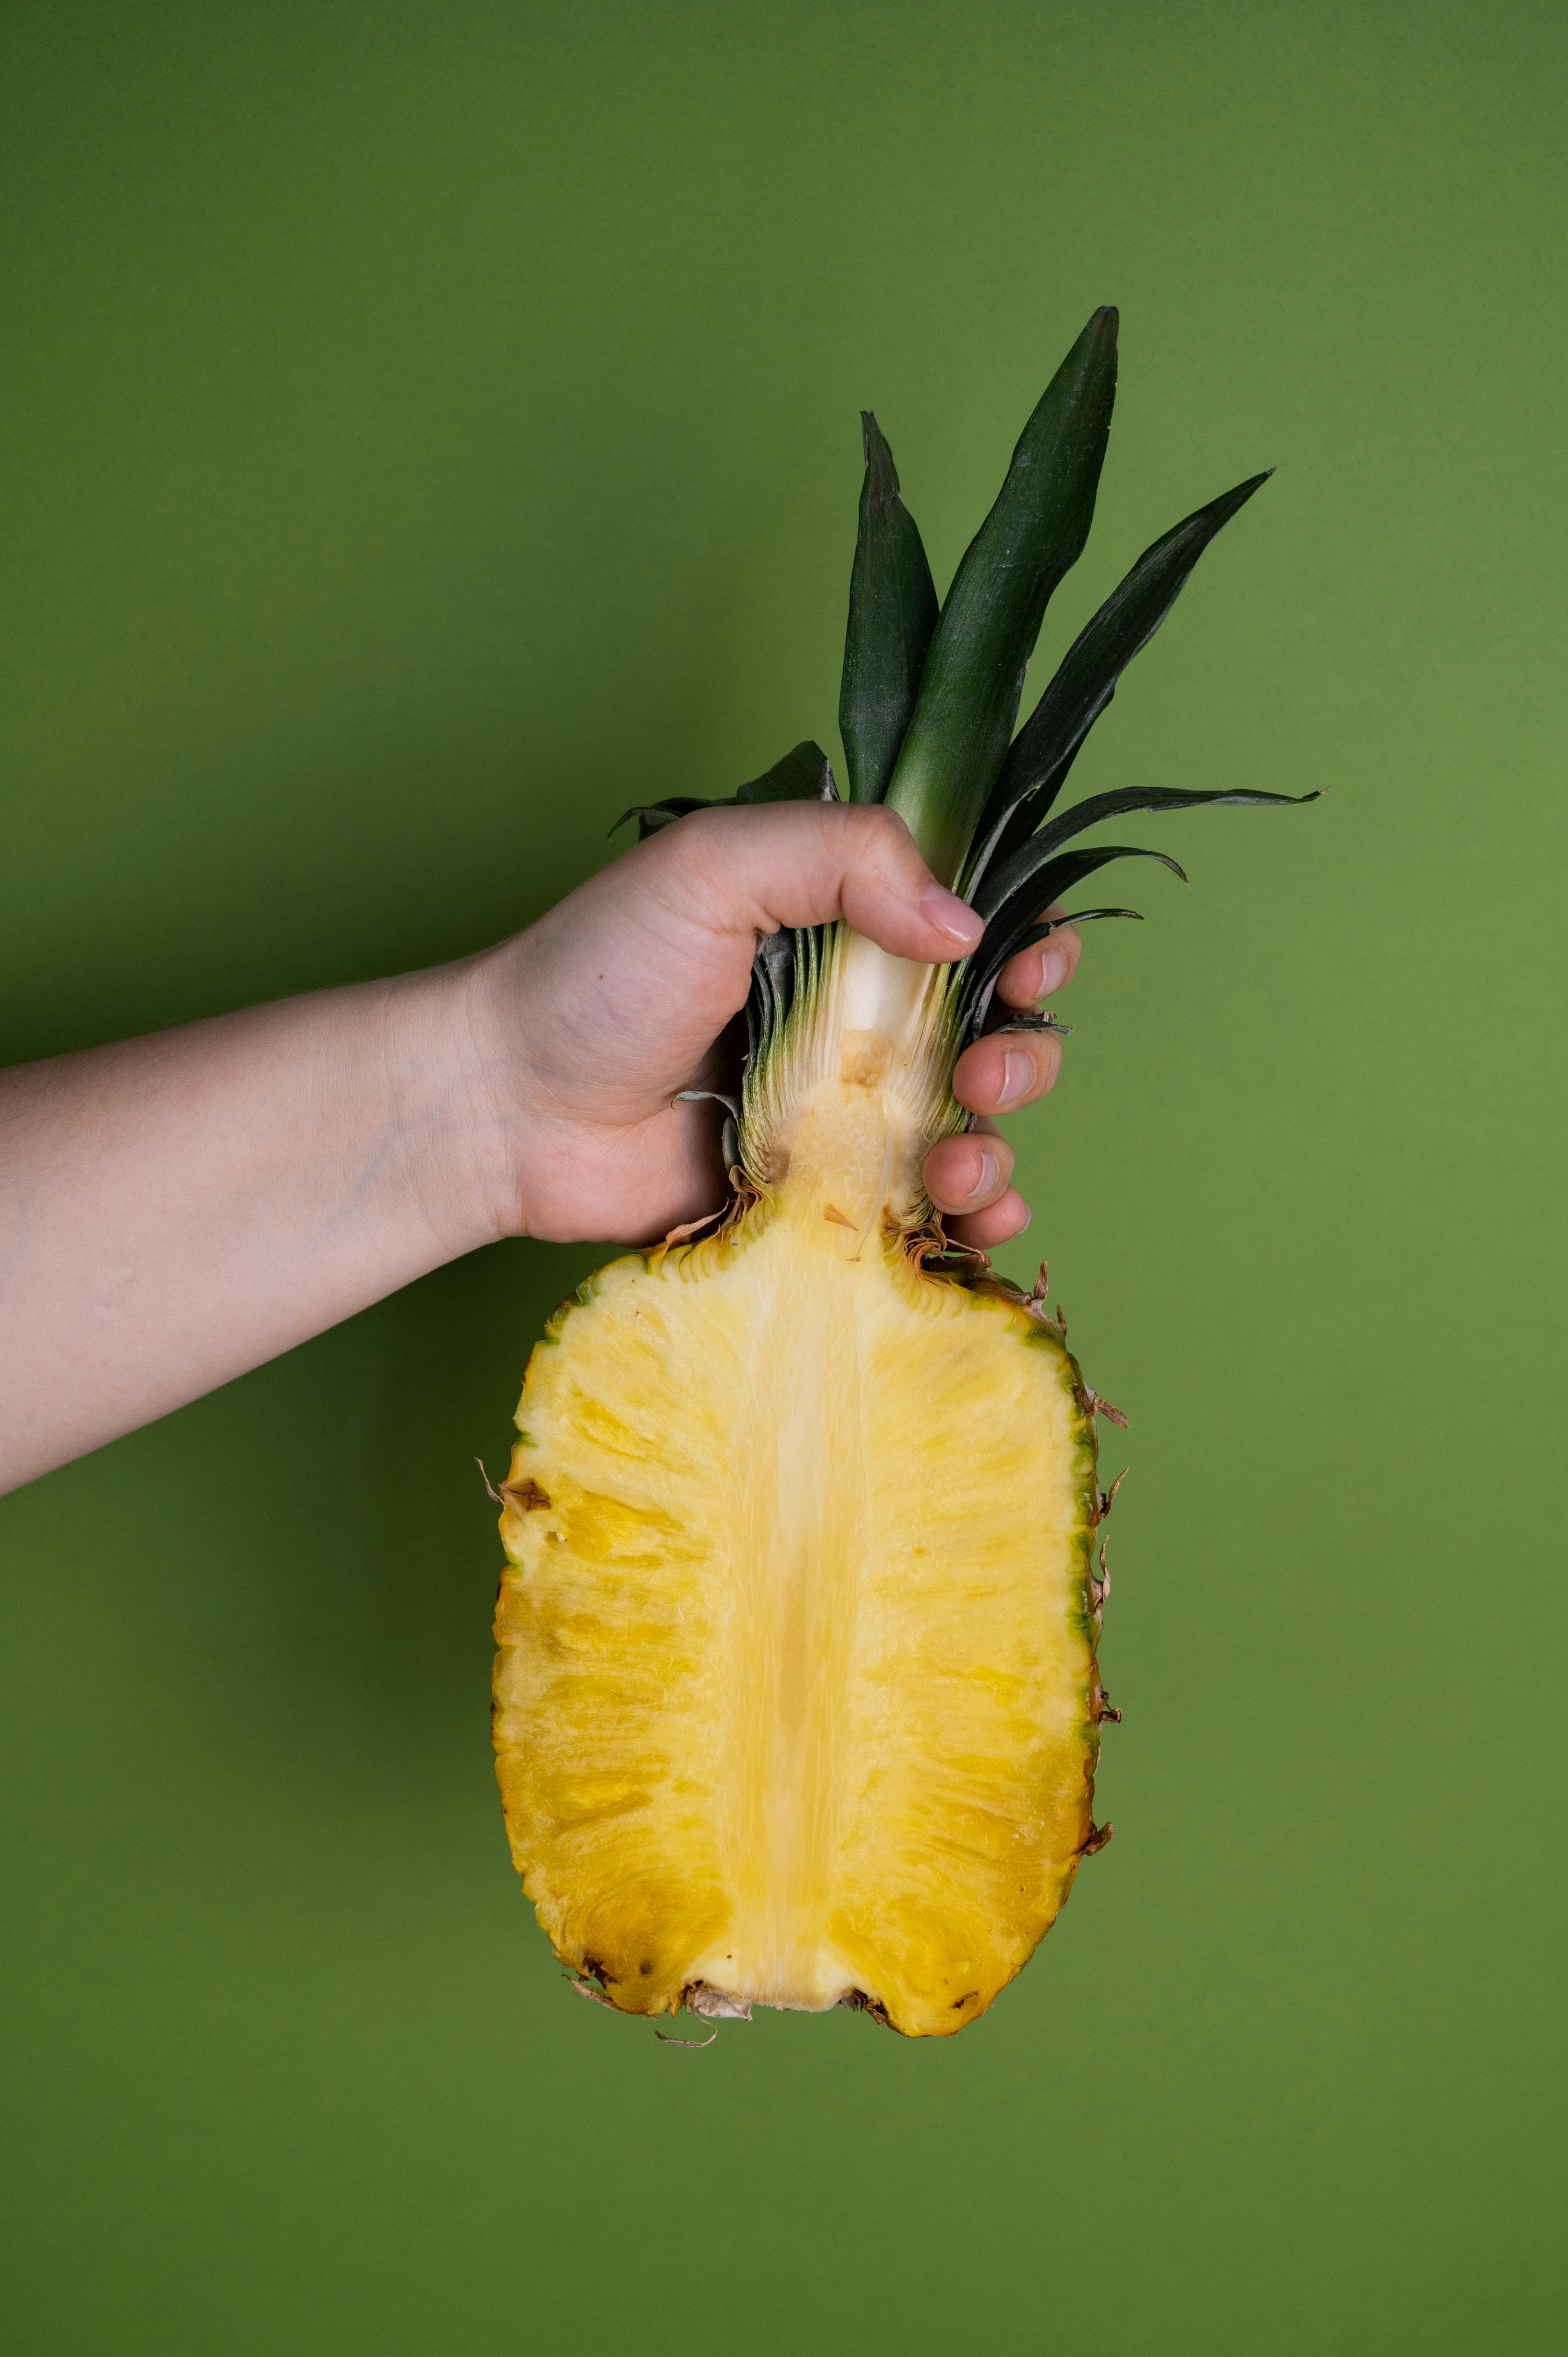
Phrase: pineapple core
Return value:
(796, 1700)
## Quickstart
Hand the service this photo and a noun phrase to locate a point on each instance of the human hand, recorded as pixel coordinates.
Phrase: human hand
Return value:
(595, 1020)
(183, 1207)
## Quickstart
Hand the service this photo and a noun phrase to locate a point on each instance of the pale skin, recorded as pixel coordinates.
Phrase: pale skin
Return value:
(179, 1209)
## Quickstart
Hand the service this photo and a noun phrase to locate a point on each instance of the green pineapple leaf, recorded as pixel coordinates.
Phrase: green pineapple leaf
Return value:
(892, 614)
(651, 816)
(976, 1002)
(1046, 746)
(1004, 876)
(973, 674)
(804, 775)
(1015, 920)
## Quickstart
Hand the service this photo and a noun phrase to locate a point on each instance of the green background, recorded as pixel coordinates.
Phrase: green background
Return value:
(427, 428)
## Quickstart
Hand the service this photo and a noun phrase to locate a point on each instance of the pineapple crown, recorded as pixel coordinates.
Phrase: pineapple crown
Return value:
(930, 692)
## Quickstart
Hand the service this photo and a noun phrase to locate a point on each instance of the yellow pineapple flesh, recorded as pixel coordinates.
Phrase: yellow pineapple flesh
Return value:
(796, 1701)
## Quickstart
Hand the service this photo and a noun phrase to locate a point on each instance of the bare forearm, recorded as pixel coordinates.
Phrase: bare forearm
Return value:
(176, 1209)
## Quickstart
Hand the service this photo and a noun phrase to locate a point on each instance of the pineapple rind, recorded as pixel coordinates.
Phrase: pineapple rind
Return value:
(784, 1718)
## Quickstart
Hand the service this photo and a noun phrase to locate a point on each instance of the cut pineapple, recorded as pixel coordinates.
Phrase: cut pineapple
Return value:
(796, 1702)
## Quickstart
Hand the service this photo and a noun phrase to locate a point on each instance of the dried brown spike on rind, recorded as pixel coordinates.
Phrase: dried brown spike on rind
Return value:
(712, 2004)
(584, 1988)
(1097, 1406)
(858, 2002)
(526, 1494)
(1099, 1587)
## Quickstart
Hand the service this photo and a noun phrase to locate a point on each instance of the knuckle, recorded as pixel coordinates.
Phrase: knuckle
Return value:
(882, 830)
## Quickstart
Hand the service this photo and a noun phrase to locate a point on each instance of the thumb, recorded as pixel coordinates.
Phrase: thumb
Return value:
(752, 871)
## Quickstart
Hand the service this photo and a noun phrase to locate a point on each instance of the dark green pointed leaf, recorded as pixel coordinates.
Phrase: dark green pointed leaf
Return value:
(1046, 746)
(804, 775)
(892, 613)
(772, 989)
(973, 674)
(976, 1001)
(1031, 856)
(774, 963)
(1012, 922)
(651, 816)
(1026, 882)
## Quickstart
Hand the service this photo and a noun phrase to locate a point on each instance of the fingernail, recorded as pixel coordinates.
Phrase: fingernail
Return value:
(951, 915)
(989, 1171)
(1053, 973)
(1028, 1215)
(1018, 1075)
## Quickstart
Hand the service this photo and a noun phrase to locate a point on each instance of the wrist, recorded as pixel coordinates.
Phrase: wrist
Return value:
(496, 1132)
(453, 1078)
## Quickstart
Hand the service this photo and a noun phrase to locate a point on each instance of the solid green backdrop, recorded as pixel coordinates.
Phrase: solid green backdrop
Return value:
(427, 428)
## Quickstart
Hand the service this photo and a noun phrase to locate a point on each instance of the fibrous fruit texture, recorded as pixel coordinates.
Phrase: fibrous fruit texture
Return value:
(796, 1700)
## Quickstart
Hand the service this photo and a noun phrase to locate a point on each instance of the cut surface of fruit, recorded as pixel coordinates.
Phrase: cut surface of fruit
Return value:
(796, 1702)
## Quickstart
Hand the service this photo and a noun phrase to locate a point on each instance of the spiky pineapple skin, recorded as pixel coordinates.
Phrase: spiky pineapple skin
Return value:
(930, 1754)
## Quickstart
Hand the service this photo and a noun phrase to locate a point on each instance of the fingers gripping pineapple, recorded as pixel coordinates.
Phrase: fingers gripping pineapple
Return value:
(796, 1699)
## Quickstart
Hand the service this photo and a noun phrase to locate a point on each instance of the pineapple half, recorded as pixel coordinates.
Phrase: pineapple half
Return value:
(796, 1697)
